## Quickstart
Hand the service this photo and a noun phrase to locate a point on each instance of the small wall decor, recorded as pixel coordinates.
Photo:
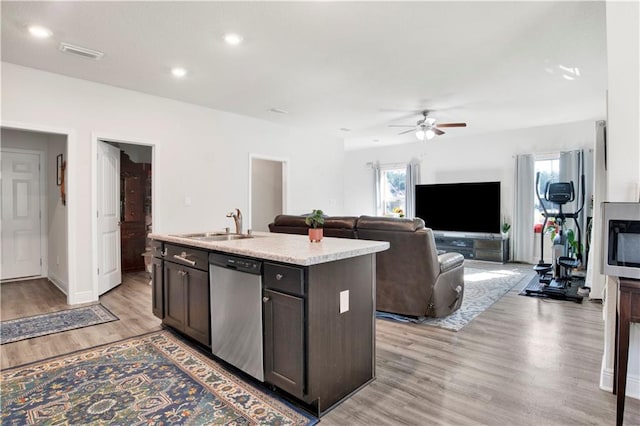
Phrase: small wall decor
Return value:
(59, 169)
(63, 195)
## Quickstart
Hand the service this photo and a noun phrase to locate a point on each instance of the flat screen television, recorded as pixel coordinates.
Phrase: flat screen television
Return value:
(460, 207)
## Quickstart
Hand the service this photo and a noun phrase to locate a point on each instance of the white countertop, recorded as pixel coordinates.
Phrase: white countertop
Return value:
(286, 248)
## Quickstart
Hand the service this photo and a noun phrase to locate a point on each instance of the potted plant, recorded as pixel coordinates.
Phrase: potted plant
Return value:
(505, 230)
(315, 221)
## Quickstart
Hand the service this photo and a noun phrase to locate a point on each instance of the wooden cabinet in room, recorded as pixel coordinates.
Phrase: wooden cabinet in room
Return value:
(132, 245)
(134, 179)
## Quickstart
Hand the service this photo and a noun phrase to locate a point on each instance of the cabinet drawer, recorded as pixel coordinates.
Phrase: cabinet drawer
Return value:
(156, 248)
(284, 278)
(187, 256)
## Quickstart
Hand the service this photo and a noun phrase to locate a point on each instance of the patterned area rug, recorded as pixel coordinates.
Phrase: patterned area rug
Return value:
(54, 322)
(150, 379)
(482, 288)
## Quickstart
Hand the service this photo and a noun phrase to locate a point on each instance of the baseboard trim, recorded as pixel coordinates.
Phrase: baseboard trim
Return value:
(606, 382)
(81, 297)
(62, 286)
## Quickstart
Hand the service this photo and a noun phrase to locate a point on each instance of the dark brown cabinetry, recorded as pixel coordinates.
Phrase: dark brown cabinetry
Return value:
(157, 281)
(284, 328)
(313, 349)
(186, 292)
(318, 321)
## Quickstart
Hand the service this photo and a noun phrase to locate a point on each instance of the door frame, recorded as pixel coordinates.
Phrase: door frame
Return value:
(71, 184)
(285, 185)
(44, 245)
(104, 137)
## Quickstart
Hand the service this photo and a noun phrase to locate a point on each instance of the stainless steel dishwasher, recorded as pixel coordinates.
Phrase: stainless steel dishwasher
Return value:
(236, 312)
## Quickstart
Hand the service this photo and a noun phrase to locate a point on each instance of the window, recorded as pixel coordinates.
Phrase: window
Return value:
(549, 169)
(393, 192)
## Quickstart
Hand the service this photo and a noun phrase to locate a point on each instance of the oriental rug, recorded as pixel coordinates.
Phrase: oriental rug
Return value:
(151, 379)
(483, 286)
(54, 322)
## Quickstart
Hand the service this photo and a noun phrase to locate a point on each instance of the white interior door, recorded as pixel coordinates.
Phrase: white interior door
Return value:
(21, 216)
(109, 268)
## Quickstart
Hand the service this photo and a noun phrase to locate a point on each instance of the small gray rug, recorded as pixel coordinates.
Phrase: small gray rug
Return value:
(482, 288)
(54, 322)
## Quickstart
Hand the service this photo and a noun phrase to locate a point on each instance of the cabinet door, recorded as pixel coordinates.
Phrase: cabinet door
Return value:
(174, 295)
(157, 288)
(284, 341)
(197, 321)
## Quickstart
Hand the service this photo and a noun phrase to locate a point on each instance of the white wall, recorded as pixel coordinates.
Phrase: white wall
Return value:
(623, 159)
(199, 153)
(266, 192)
(487, 157)
(56, 213)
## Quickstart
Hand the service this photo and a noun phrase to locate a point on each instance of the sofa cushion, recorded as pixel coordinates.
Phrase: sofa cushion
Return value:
(390, 223)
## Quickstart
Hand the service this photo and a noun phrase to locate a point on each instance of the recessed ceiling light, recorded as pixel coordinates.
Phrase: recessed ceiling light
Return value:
(40, 32)
(233, 39)
(178, 72)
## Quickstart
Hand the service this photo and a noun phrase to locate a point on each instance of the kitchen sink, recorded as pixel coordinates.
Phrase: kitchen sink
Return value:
(223, 237)
(214, 236)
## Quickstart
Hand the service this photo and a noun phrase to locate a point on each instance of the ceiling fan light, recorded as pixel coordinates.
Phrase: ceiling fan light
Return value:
(430, 134)
(420, 134)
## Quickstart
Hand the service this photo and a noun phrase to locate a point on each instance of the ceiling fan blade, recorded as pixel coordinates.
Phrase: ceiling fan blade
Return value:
(402, 125)
(406, 131)
(451, 124)
(437, 131)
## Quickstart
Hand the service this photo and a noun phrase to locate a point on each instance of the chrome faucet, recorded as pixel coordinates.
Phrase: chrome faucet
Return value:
(237, 218)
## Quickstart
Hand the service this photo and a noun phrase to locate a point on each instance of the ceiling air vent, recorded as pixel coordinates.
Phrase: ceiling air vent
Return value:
(81, 51)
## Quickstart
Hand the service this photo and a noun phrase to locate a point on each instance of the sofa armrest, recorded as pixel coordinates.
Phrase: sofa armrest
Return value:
(449, 261)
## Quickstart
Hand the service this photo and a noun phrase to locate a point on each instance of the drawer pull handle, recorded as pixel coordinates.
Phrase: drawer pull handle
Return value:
(183, 273)
(183, 257)
(279, 277)
(265, 299)
(163, 252)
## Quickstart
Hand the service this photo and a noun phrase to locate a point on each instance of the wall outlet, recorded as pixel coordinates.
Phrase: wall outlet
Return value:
(187, 201)
(344, 301)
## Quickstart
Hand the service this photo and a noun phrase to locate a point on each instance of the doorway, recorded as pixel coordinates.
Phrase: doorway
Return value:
(124, 204)
(34, 214)
(268, 189)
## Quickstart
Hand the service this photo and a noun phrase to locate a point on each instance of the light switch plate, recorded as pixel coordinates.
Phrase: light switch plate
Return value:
(344, 301)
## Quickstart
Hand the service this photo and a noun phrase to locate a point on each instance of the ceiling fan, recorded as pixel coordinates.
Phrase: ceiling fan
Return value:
(426, 128)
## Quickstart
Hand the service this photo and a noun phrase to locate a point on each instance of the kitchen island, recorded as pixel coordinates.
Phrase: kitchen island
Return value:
(297, 316)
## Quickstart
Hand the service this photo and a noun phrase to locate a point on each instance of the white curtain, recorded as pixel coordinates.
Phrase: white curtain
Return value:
(412, 179)
(522, 227)
(376, 187)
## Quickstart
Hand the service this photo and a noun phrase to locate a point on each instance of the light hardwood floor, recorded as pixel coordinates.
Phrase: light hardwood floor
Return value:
(524, 361)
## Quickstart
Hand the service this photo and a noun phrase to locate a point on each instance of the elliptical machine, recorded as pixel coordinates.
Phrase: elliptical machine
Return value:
(555, 278)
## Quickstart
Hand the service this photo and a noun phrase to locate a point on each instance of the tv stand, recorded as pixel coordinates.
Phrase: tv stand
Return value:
(483, 247)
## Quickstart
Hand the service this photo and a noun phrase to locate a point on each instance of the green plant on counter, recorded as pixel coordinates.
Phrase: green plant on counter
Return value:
(315, 219)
